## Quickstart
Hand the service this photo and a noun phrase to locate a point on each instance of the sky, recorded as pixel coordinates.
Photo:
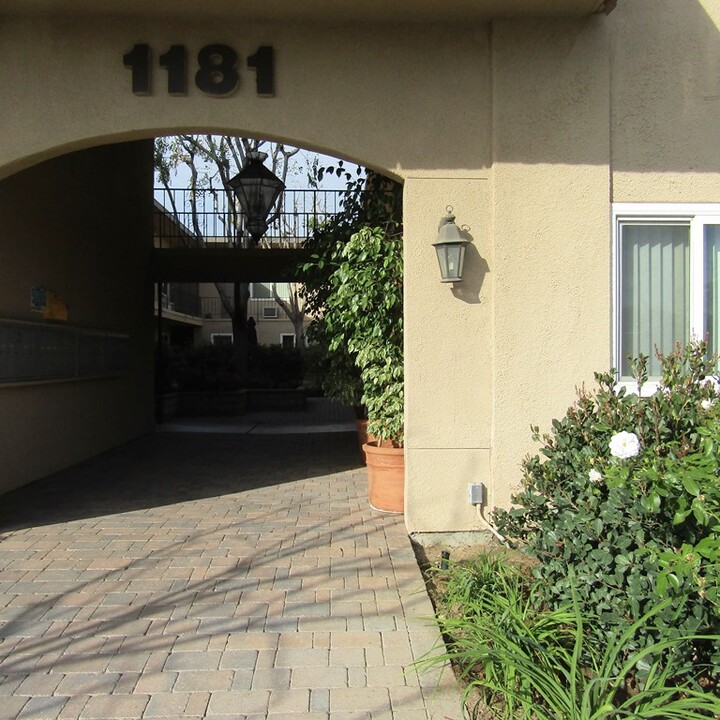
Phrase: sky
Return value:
(296, 178)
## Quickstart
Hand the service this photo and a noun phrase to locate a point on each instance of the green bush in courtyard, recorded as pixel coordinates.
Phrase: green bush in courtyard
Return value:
(273, 366)
(206, 367)
(210, 368)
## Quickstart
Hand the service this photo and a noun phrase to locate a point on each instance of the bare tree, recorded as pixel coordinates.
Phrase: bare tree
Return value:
(294, 308)
(211, 160)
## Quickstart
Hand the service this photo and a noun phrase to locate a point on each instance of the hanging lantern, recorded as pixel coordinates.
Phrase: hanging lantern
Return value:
(257, 190)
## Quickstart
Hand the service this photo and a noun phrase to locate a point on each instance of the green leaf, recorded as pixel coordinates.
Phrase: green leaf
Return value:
(690, 485)
(709, 547)
(651, 503)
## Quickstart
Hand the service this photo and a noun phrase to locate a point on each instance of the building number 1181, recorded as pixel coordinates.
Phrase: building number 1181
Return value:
(217, 69)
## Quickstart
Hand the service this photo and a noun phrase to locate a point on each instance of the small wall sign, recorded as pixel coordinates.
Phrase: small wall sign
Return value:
(49, 303)
(216, 72)
(38, 299)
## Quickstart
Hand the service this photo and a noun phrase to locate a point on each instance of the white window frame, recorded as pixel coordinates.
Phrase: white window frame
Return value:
(696, 215)
(270, 312)
(221, 334)
(290, 335)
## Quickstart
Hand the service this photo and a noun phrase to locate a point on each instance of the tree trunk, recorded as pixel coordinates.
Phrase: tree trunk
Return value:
(299, 329)
(295, 313)
(241, 295)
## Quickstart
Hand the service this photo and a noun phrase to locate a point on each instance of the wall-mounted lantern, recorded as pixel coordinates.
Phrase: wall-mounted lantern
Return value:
(450, 248)
(257, 189)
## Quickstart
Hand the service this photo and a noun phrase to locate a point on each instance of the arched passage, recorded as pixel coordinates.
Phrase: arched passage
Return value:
(82, 377)
(76, 307)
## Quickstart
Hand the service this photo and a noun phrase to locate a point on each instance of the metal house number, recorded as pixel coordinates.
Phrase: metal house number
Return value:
(217, 69)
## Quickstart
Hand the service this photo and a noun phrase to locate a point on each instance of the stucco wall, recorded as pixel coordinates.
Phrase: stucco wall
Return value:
(81, 226)
(552, 230)
(269, 330)
(448, 354)
(531, 318)
(375, 93)
(665, 56)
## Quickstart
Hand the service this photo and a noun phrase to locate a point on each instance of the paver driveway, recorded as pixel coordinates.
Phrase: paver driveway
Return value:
(214, 575)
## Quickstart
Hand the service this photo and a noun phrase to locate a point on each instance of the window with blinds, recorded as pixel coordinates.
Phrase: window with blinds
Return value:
(667, 280)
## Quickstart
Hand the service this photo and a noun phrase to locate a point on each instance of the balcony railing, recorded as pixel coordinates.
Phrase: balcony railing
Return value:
(180, 298)
(207, 219)
(262, 309)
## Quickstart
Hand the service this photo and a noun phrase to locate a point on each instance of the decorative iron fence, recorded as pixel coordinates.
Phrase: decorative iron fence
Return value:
(206, 219)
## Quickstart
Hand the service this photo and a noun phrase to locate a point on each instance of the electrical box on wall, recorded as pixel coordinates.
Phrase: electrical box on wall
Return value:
(476, 493)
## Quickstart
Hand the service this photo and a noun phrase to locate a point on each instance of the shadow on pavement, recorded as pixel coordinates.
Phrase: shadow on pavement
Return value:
(163, 469)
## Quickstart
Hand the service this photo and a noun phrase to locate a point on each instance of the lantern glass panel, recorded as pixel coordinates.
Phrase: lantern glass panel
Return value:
(450, 258)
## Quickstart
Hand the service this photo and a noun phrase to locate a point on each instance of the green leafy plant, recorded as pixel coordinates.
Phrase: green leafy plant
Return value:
(623, 496)
(341, 379)
(365, 316)
(545, 664)
(202, 368)
(352, 285)
(474, 599)
(273, 366)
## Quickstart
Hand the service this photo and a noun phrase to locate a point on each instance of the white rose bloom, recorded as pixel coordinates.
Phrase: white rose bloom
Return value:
(624, 445)
(712, 383)
(707, 403)
(595, 476)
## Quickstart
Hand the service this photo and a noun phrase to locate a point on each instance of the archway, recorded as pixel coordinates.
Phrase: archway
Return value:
(86, 380)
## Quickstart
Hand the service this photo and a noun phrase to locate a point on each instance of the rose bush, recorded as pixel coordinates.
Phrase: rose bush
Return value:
(622, 505)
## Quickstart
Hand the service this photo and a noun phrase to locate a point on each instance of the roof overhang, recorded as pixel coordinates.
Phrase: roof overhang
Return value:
(319, 11)
(227, 265)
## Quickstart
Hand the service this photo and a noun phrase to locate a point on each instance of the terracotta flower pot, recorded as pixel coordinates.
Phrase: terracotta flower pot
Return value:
(386, 477)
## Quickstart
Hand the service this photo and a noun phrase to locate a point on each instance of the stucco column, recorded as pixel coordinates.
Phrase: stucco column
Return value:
(552, 234)
(448, 354)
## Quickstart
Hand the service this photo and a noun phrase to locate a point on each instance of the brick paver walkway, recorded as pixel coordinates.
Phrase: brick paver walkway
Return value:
(213, 576)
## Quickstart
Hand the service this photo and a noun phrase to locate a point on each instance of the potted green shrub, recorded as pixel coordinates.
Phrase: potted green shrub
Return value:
(352, 285)
(365, 315)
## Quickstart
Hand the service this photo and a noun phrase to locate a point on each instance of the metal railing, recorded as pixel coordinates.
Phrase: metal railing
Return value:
(209, 219)
(262, 309)
(211, 308)
(180, 297)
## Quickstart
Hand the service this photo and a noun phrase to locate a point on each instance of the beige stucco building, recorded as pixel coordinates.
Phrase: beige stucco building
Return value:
(566, 138)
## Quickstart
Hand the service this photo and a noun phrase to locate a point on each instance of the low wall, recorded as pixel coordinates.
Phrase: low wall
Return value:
(231, 403)
(276, 399)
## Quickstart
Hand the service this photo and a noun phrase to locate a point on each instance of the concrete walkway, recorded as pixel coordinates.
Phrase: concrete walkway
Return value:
(213, 576)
